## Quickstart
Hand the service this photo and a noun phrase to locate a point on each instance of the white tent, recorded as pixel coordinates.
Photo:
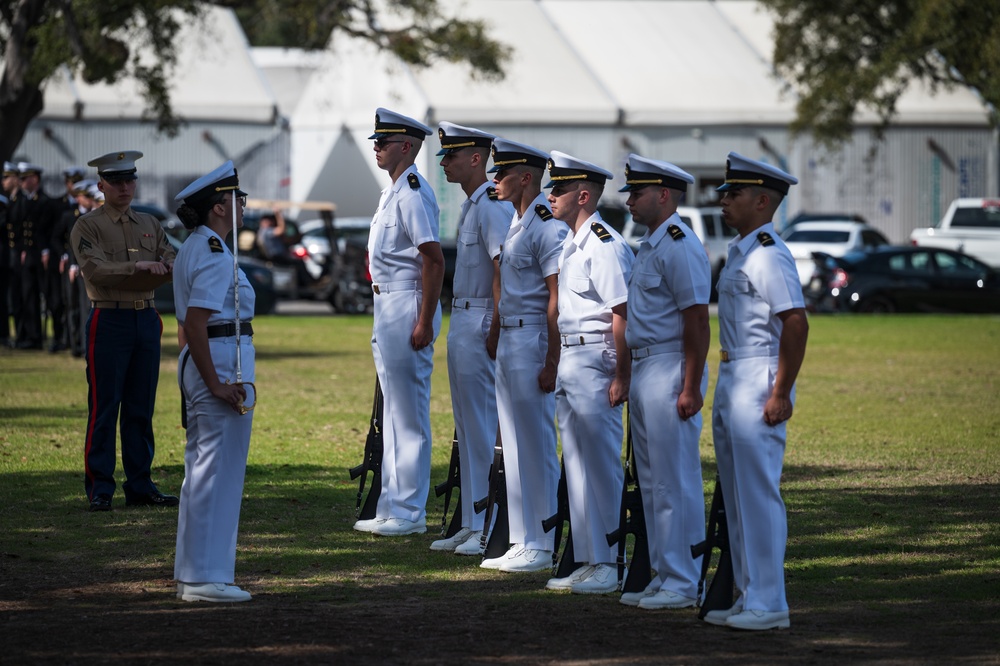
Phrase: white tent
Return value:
(685, 80)
(226, 107)
(214, 79)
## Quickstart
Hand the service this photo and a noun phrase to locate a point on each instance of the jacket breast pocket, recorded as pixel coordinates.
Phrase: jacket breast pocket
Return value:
(578, 284)
(468, 249)
(388, 230)
(737, 302)
(648, 281)
(520, 265)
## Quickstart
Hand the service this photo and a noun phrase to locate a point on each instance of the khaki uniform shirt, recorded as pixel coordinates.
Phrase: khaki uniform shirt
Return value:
(109, 242)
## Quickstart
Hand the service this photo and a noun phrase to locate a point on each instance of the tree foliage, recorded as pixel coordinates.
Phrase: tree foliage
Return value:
(101, 39)
(839, 56)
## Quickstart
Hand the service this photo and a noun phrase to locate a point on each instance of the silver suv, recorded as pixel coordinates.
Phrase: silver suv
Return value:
(706, 223)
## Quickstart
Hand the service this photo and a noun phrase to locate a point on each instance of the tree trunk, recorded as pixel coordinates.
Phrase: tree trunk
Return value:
(16, 112)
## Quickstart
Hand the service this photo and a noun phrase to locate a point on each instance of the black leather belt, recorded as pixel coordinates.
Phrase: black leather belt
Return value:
(140, 304)
(229, 330)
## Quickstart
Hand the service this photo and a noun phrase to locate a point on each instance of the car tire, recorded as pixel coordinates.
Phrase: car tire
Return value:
(877, 305)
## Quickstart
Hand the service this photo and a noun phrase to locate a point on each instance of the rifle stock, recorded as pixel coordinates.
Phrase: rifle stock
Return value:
(496, 538)
(631, 520)
(365, 507)
(567, 563)
(720, 592)
(447, 487)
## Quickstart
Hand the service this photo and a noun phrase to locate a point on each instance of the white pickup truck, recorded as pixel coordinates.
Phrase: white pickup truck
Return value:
(971, 226)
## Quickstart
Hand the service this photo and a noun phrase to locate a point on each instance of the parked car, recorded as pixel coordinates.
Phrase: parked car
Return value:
(969, 225)
(260, 276)
(338, 271)
(832, 237)
(281, 280)
(707, 224)
(824, 217)
(903, 279)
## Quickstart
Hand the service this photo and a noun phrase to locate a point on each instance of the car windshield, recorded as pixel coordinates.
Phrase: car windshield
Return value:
(817, 236)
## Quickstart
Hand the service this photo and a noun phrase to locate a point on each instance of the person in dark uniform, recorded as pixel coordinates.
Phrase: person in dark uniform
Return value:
(124, 256)
(77, 305)
(52, 282)
(4, 274)
(209, 372)
(11, 184)
(28, 219)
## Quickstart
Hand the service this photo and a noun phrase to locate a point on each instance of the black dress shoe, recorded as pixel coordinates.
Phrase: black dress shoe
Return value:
(27, 344)
(101, 503)
(152, 498)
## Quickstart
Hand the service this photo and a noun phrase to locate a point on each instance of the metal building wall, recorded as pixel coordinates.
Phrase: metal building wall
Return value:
(905, 182)
(260, 152)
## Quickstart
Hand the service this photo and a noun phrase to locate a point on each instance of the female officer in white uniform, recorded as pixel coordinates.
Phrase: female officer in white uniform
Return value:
(218, 434)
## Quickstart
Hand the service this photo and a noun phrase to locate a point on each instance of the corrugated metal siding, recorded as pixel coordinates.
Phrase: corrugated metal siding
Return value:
(906, 183)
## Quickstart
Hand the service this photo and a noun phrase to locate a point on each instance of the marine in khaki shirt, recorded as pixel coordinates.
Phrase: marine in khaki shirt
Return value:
(123, 256)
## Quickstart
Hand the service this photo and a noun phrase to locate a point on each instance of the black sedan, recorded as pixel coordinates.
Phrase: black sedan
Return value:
(257, 272)
(902, 279)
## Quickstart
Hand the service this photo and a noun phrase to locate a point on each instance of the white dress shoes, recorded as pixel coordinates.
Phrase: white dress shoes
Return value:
(473, 545)
(368, 525)
(400, 527)
(633, 598)
(666, 599)
(496, 562)
(567, 582)
(719, 617)
(218, 592)
(758, 620)
(529, 559)
(451, 543)
(602, 580)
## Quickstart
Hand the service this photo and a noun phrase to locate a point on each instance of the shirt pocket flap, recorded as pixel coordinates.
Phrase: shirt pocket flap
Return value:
(519, 261)
(649, 280)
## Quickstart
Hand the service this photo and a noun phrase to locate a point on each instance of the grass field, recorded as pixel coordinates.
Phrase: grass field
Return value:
(891, 478)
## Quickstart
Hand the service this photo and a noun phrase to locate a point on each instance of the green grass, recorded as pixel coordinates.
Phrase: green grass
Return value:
(891, 478)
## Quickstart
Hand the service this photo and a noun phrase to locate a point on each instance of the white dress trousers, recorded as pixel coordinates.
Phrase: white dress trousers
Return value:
(215, 460)
(750, 456)
(405, 376)
(591, 432)
(529, 434)
(669, 470)
(472, 375)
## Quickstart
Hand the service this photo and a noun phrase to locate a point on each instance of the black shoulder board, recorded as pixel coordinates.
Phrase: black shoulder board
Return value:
(765, 239)
(601, 232)
(413, 181)
(491, 192)
(675, 232)
(543, 212)
(215, 244)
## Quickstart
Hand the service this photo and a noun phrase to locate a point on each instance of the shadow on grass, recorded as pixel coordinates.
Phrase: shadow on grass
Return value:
(902, 574)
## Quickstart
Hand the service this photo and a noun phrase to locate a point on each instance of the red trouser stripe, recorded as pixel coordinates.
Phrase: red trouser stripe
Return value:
(91, 365)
